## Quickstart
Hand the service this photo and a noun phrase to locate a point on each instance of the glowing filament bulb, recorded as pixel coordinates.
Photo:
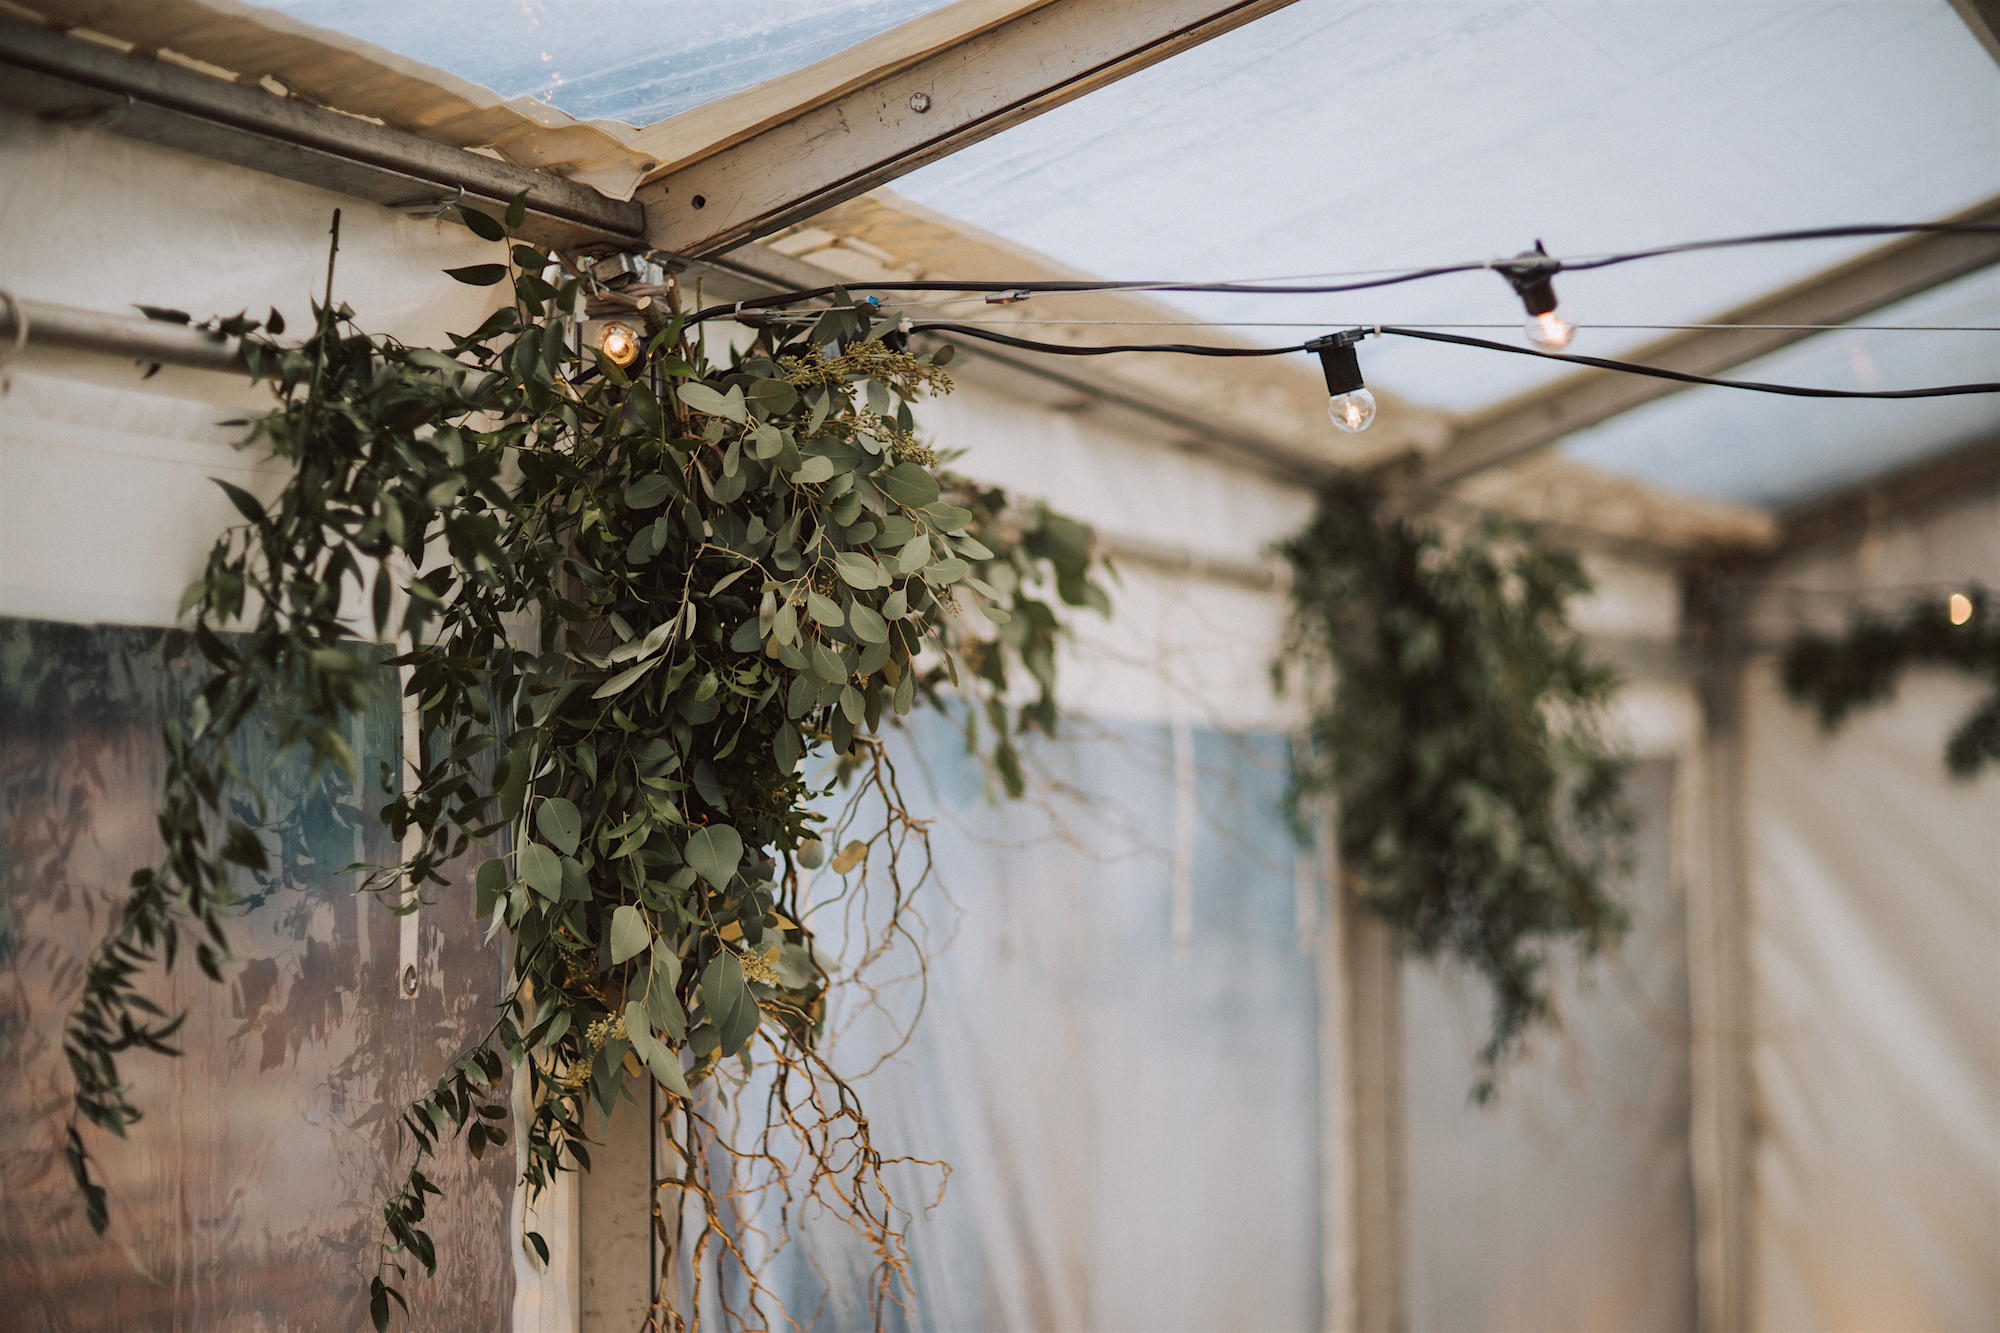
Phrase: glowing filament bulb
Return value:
(1349, 405)
(1547, 330)
(1351, 411)
(1961, 608)
(619, 344)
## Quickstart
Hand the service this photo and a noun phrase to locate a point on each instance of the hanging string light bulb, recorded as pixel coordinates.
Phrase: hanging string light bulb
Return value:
(1532, 275)
(619, 343)
(1350, 406)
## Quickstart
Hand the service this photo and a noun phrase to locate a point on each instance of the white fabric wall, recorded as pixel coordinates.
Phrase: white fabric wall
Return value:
(1874, 887)
(104, 477)
(1566, 1204)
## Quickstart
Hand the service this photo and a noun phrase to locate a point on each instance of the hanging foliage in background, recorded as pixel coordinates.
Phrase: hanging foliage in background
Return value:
(1457, 723)
(634, 600)
(1861, 667)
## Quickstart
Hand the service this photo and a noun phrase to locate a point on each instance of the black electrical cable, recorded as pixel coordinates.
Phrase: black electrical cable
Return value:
(1096, 349)
(1600, 363)
(1634, 368)
(1556, 265)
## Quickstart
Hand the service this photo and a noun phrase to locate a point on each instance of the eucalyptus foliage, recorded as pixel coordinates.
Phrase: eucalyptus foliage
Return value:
(1480, 809)
(631, 604)
(1860, 668)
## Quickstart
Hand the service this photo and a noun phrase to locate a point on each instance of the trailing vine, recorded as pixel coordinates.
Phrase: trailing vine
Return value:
(1479, 806)
(631, 602)
(1861, 667)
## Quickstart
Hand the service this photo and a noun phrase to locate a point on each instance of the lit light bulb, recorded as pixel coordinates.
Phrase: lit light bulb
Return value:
(1349, 404)
(1961, 608)
(1546, 330)
(619, 344)
(1532, 276)
(1351, 411)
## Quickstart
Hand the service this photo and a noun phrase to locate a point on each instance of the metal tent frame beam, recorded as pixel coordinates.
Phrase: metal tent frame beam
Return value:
(775, 154)
(65, 80)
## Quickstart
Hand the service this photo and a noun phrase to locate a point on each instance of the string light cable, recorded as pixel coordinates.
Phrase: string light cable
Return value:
(1461, 340)
(1532, 263)
(1351, 406)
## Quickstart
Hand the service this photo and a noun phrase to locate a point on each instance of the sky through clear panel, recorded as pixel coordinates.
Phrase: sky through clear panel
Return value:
(632, 60)
(1768, 450)
(1362, 136)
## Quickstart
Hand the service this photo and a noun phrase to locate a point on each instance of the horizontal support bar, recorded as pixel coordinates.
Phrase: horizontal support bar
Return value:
(1190, 563)
(68, 80)
(1967, 470)
(124, 336)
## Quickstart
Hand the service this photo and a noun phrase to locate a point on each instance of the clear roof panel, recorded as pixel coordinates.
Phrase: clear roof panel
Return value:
(632, 60)
(1770, 450)
(1407, 133)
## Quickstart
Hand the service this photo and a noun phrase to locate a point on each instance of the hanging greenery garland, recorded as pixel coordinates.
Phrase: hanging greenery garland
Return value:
(633, 600)
(1479, 805)
(1861, 667)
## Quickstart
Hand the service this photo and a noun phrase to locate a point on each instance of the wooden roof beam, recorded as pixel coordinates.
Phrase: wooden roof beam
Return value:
(1537, 420)
(66, 80)
(1983, 17)
(746, 165)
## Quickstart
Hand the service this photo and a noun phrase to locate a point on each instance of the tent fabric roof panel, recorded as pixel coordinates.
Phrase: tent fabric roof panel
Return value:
(1357, 138)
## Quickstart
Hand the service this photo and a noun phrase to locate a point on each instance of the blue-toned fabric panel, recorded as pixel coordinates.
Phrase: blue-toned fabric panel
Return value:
(249, 1196)
(1132, 1134)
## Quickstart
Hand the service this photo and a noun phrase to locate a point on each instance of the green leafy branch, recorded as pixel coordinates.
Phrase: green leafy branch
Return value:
(631, 601)
(1479, 807)
(1861, 667)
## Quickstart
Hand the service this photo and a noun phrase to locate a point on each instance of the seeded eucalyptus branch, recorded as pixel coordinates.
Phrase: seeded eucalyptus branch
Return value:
(1480, 807)
(631, 602)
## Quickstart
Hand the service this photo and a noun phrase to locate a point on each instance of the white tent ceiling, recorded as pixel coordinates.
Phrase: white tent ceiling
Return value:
(1333, 137)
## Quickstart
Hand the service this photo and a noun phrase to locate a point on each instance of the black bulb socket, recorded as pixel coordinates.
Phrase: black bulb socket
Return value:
(1338, 360)
(1532, 276)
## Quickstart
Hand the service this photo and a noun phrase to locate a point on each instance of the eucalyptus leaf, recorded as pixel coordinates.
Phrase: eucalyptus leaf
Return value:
(629, 934)
(624, 679)
(908, 485)
(946, 572)
(824, 610)
(816, 469)
(858, 571)
(866, 624)
(714, 851)
(648, 491)
(706, 400)
(559, 822)
(489, 886)
(540, 870)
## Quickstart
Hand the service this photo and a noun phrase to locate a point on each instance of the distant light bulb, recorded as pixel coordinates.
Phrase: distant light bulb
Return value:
(1351, 411)
(1961, 608)
(1545, 330)
(619, 344)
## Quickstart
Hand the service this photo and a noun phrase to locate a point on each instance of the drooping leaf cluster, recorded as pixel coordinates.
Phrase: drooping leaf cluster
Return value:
(632, 603)
(1480, 809)
(1861, 667)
